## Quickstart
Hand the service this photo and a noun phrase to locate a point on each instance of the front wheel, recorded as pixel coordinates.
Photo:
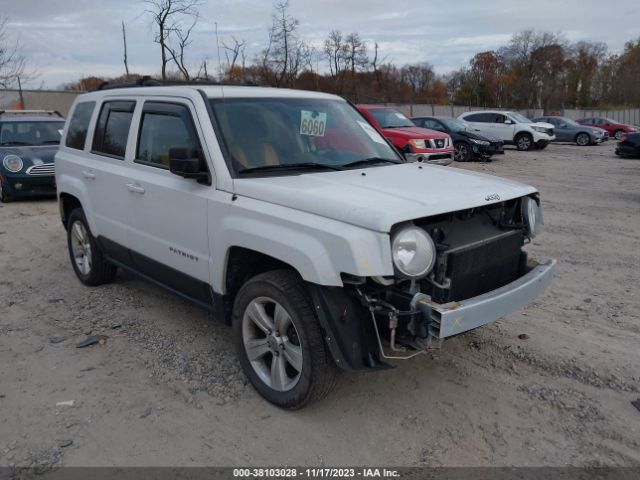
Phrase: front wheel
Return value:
(462, 152)
(86, 258)
(524, 142)
(618, 134)
(4, 193)
(582, 139)
(279, 341)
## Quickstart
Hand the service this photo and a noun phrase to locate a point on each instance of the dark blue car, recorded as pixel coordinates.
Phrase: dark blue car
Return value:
(28, 141)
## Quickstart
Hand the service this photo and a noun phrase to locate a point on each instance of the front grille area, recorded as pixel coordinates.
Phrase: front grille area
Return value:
(46, 169)
(483, 268)
(478, 250)
(438, 143)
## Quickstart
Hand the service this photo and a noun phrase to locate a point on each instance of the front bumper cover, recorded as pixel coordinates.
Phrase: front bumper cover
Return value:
(453, 318)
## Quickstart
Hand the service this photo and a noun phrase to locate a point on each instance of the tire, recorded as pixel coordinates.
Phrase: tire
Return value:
(583, 139)
(289, 368)
(462, 152)
(617, 134)
(4, 193)
(524, 142)
(87, 260)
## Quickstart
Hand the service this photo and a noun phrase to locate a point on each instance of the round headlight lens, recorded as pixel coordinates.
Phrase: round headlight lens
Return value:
(532, 215)
(13, 163)
(413, 252)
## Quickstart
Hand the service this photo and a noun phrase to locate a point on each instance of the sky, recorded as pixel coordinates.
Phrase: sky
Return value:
(64, 40)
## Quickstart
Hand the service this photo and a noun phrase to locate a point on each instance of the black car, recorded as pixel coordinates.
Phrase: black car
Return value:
(469, 144)
(629, 145)
(28, 142)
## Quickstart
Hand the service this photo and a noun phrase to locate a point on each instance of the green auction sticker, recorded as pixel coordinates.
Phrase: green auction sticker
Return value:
(312, 123)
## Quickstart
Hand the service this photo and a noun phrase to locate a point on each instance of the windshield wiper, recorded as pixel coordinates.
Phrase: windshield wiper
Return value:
(50, 142)
(14, 143)
(370, 161)
(291, 166)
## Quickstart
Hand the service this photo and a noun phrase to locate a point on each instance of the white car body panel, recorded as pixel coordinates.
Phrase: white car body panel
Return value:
(508, 131)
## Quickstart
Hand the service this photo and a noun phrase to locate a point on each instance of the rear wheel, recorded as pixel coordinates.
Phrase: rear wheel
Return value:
(583, 139)
(86, 258)
(279, 340)
(524, 141)
(462, 152)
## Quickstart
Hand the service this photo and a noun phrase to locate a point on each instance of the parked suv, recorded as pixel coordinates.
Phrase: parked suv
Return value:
(28, 141)
(512, 128)
(294, 220)
(415, 143)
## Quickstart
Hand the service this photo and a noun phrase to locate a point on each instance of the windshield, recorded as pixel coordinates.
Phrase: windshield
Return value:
(455, 125)
(390, 118)
(30, 133)
(519, 118)
(265, 133)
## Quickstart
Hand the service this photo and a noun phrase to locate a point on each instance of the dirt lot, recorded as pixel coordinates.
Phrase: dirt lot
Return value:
(165, 388)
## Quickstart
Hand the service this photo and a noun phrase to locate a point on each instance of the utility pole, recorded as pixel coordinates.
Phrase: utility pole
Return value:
(124, 41)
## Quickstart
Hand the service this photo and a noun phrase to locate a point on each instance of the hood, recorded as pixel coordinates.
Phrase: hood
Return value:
(30, 154)
(413, 132)
(384, 196)
(550, 126)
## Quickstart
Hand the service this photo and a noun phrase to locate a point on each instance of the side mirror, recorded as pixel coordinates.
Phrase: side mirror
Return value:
(508, 121)
(187, 163)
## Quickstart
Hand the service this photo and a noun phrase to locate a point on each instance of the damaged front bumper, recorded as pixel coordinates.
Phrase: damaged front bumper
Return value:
(446, 320)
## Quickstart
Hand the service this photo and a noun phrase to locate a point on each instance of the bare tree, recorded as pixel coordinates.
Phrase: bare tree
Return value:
(286, 54)
(12, 62)
(124, 42)
(168, 17)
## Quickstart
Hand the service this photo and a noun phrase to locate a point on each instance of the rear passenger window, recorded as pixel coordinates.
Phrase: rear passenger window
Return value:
(164, 126)
(112, 129)
(79, 125)
(478, 117)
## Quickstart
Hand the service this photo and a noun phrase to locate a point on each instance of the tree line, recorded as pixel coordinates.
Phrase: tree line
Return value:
(533, 70)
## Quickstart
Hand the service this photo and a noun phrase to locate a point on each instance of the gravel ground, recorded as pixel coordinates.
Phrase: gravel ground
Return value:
(550, 385)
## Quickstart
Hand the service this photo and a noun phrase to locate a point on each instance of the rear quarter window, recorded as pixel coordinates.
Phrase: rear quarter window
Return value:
(79, 125)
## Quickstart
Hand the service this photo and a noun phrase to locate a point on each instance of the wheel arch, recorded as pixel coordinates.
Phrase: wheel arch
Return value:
(67, 203)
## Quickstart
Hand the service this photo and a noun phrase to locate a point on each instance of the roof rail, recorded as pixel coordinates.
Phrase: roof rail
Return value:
(147, 81)
(31, 112)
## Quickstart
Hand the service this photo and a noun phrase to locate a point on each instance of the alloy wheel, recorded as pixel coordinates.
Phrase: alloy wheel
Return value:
(524, 142)
(583, 139)
(460, 153)
(81, 247)
(272, 344)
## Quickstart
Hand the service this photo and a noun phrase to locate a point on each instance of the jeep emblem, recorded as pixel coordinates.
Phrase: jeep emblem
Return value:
(492, 196)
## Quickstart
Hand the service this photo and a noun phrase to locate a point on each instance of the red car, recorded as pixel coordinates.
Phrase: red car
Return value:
(416, 143)
(614, 128)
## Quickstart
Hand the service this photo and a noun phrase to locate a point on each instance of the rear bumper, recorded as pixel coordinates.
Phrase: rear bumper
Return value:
(457, 317)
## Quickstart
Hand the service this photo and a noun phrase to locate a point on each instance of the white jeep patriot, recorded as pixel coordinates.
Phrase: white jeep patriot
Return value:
(292, 218)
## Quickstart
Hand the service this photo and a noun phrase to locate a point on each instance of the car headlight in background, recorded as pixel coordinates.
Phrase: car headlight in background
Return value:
(480, 142)
(532, 215)
(13, 163)
(413, 252)
(418, 143)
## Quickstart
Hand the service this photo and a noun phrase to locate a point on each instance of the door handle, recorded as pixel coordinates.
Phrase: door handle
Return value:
(89, 175)
(135, 188)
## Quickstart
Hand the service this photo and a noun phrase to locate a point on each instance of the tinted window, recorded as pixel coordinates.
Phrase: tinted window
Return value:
(498, 118)
(164, 126)
(112, 129)
(79, 124)
(432, 124)
(479, 117)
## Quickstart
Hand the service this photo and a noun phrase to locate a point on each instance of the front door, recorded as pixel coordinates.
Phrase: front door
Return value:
(169, 238)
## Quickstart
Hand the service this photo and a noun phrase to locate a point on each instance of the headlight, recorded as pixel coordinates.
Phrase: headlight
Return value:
(418, 143)
(13, 163)
(480, 142)
(541, 129)
(413, 252)
(532, 215)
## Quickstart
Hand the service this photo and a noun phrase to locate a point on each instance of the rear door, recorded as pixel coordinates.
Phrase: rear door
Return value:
(170, 241)
(104, 169)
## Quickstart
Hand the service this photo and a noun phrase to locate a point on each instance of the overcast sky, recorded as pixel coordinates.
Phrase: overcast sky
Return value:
(67, 39)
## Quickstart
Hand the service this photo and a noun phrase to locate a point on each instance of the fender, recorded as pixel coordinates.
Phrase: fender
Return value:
(77, 188)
